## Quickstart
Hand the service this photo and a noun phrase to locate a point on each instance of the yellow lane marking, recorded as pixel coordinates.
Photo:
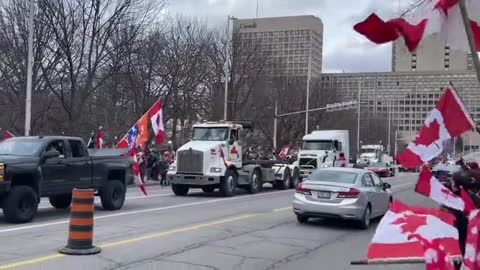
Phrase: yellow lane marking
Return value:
(31, 261)
(175, 231)
(132, 240)
(282, 209)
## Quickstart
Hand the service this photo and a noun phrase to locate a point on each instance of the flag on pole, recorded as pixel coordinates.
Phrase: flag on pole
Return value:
(91, 141)
(428, 17)
(471, 260)
(391, 239)
(8, 135)
(156, 120)
(447, 120)
(431, 187)
(284, 152)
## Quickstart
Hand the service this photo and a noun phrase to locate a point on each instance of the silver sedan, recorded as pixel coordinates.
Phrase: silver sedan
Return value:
(344, 193)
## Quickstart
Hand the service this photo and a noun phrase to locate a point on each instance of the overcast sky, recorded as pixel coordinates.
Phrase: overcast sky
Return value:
(344, 49)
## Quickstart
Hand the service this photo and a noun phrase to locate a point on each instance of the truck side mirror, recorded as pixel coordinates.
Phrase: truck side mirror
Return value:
(50, 154)
(231, 141)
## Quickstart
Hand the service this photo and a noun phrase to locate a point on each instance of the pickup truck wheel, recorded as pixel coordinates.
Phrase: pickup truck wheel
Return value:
(180, 190)
(20, 205)
(61, 201)
(228, 183)
(255, 182)
(208, 189)
(285, 183)
(113, 195)
(296, 179)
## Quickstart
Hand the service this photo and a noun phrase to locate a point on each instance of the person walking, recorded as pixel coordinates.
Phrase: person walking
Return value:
(341, 161)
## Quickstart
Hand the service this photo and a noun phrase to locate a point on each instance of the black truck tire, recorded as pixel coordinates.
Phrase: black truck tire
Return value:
(112, 195)
(20, 205)
(285, 183)
(61, 201)
(228, 183)
(255, 182)
(180, 190)
(295, 179)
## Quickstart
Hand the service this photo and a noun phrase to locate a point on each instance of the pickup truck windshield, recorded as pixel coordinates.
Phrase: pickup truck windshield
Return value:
(210, 134)
(317, 145)
(20, 147)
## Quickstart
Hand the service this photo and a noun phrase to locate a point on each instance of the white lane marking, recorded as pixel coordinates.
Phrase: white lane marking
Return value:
(145, 210)
(127, 199)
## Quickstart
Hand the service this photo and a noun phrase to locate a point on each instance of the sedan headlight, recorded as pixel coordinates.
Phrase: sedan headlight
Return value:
(215, 170)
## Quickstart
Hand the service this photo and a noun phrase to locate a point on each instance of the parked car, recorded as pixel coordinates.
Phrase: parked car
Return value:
(403, 169)
(382, 169)
(342, 193)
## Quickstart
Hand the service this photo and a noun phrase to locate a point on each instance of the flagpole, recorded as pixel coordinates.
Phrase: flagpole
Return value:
(470, 38)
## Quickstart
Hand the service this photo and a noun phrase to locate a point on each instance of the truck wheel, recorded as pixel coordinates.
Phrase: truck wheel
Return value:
(20, 205)
(228, 183)
(285, 183)
(296, 179)
(255, 182)
(208, 189)
(180, 190)
(113, 195)
(61, 201)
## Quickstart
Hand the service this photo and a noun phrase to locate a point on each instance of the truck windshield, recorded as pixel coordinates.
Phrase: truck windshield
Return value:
(210, 134)
(22, 147)
(369, 151)
(318, 145)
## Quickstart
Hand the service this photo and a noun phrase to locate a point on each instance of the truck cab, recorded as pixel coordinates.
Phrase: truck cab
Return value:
(213, 160)
(371, 154)
(320, 149)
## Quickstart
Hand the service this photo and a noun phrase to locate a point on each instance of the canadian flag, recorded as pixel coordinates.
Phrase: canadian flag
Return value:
(391, 239)
(284, 152)
(447, 120)
(435, 256)
(471, 260)
(99, 143)
(156, 119)
(428, 17)
(431, 187)
(8, 135)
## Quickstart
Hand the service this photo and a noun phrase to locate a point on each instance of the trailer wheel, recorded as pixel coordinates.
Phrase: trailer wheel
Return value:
(296, 178)
(255, 182)
(286, 182)
(180, 190)
(228, 183)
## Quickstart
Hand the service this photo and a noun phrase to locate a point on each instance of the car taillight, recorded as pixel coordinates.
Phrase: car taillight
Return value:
(352, 193)
(300, 189)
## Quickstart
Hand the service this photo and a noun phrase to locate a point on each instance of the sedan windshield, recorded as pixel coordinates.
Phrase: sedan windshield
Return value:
(20, 147)
(210, 134)
(333, 176)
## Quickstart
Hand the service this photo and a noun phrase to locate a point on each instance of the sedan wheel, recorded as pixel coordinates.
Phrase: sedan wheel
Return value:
(364, 223)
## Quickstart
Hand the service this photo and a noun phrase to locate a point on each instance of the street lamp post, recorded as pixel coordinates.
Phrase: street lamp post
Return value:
(309, 77)
(358, 117)
(28, 100)
(227, 65)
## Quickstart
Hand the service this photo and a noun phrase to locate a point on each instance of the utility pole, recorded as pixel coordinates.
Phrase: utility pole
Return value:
(309, 76)
(389, 125)
(28, 101)
(227, 68)
(470, 37)
(275, 126)
(358, 117)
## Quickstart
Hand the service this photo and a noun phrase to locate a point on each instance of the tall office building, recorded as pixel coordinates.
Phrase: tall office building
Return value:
(433, 54)
(291, 43)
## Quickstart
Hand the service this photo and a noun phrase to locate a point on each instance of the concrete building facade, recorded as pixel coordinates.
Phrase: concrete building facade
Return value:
(291, 43)
(433, 54)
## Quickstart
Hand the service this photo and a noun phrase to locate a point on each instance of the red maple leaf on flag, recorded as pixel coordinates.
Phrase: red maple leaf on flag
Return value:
(410, 223)
(428, 134)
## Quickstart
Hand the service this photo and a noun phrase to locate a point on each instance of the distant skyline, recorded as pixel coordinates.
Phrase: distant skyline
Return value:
(344, 49)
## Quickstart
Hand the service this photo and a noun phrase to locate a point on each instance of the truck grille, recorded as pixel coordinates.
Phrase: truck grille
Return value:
(308, 162)
(190, 161)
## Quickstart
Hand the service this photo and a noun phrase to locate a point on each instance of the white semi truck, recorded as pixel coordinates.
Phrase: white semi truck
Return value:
(213, 160)
(372, 153)
(320, 149)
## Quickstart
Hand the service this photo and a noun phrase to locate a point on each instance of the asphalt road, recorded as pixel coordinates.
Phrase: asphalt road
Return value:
(200, 231)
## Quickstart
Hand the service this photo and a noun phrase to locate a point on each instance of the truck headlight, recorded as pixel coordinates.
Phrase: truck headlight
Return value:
(215, 170)
(172, 168)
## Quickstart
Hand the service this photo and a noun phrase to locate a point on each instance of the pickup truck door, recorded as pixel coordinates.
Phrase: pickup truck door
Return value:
(79, 165)
(54, 171)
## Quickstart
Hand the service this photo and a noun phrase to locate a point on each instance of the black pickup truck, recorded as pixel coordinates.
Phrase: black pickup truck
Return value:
(51, 166)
